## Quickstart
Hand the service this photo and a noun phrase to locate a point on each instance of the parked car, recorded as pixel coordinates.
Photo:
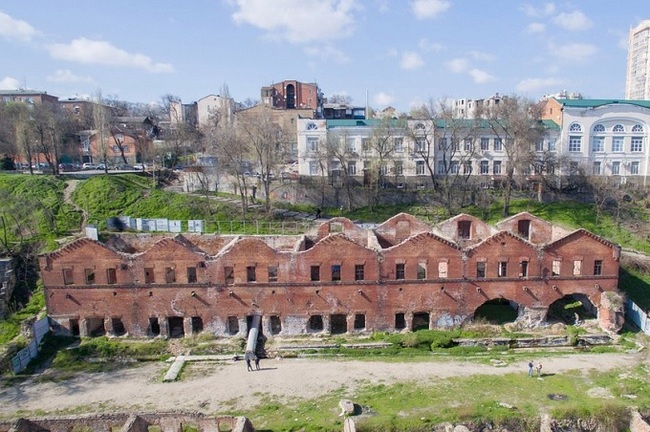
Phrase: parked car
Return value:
(66, 167)
(140, 166)
(89, 166)
(125, 167)
(101, 166)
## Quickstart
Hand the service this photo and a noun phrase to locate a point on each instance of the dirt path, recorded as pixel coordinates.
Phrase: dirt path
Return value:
(212, 387)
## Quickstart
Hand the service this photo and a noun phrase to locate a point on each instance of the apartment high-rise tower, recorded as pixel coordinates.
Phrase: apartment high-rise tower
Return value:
(637, 84)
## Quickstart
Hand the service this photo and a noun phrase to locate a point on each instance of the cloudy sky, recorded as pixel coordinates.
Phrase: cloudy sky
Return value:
(394, 52)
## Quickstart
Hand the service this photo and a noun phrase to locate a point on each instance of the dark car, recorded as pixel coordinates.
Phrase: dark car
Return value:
(66, 167)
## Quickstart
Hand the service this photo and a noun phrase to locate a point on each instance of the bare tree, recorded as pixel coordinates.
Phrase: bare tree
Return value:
(102, 125)
(268, 143)
(382, 147)
(422, 133)
(234, 155)
(341, 155)
(515, 121)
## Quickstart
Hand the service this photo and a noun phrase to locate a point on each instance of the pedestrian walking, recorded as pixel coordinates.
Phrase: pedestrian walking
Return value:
(539, 370)
(257, 363)
(248, 357)
(531, 365)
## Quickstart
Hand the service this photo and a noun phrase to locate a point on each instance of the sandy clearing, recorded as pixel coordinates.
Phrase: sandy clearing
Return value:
(212, 387)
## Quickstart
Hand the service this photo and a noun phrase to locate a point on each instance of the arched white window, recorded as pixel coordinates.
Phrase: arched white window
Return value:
(419, 125)
(599, 128)
(575, 127)
(618, 128)
(637, 128)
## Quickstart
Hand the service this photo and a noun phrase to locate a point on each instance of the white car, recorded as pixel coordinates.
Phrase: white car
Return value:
(89, 166)
(140, 166)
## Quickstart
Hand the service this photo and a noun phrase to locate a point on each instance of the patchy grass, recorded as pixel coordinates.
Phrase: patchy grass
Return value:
(513, 401)
(10, 326)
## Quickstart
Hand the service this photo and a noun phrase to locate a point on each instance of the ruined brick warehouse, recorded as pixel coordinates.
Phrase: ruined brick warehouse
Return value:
(340, 278)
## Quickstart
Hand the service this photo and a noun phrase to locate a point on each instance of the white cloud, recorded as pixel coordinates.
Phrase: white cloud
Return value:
(327, 53)
(427, 45)
(482, 56)
(423, 9)
(535, 84)
(65, 76)
(536, 27)
(573, 21)
(457, 65)
(298, 21)
(8, 83)
(573, 51)
(411, 60)
(546, 10)
(383, 99)
(12, 28)
(89, 51)
(481, 77)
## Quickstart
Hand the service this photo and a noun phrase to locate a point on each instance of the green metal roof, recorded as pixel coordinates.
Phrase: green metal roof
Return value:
(593, 103)
(358, 123)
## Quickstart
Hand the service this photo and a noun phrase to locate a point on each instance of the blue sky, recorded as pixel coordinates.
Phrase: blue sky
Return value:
(397, 52)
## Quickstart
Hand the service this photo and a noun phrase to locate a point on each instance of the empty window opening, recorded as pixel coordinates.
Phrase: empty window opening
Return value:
(154, 326)
(229, 275)
(250, 274)
(149, 275)
(338, 324)
(502, 269)
(598, 267)
(111, 276)
(524, 269)
(577, 268)
(197, 324)
(315, 323)
(359, 272)
(67, 276)
(90, 276)
(400, 271)
(421, 321)
(315, 273)
(571, 309)
(523, 228)
(118, 327)
(400, 321)
(170, 275)
(276, 325)
(480, 269)
(336, 272)
(556, 267)
(191, 275)
(359, 321)
(232, 325)
(176, 328)
(74, 327)
(96, 327)
(422, 270)
(336, 227)
(442, 269)
(273, 273)
(249, 325)
(464, 230)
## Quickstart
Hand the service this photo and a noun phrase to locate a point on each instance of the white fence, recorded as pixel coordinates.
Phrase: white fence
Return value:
(20, 361)
(635, 314)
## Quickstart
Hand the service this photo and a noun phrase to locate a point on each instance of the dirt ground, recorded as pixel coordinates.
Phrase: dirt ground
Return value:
(214, 387)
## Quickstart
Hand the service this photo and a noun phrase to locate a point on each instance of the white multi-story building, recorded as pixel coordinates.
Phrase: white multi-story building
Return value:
(637, 83)
(604, 136)
(411, 149)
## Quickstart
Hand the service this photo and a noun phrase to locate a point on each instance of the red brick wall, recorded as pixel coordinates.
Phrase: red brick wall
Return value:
(448, 299)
